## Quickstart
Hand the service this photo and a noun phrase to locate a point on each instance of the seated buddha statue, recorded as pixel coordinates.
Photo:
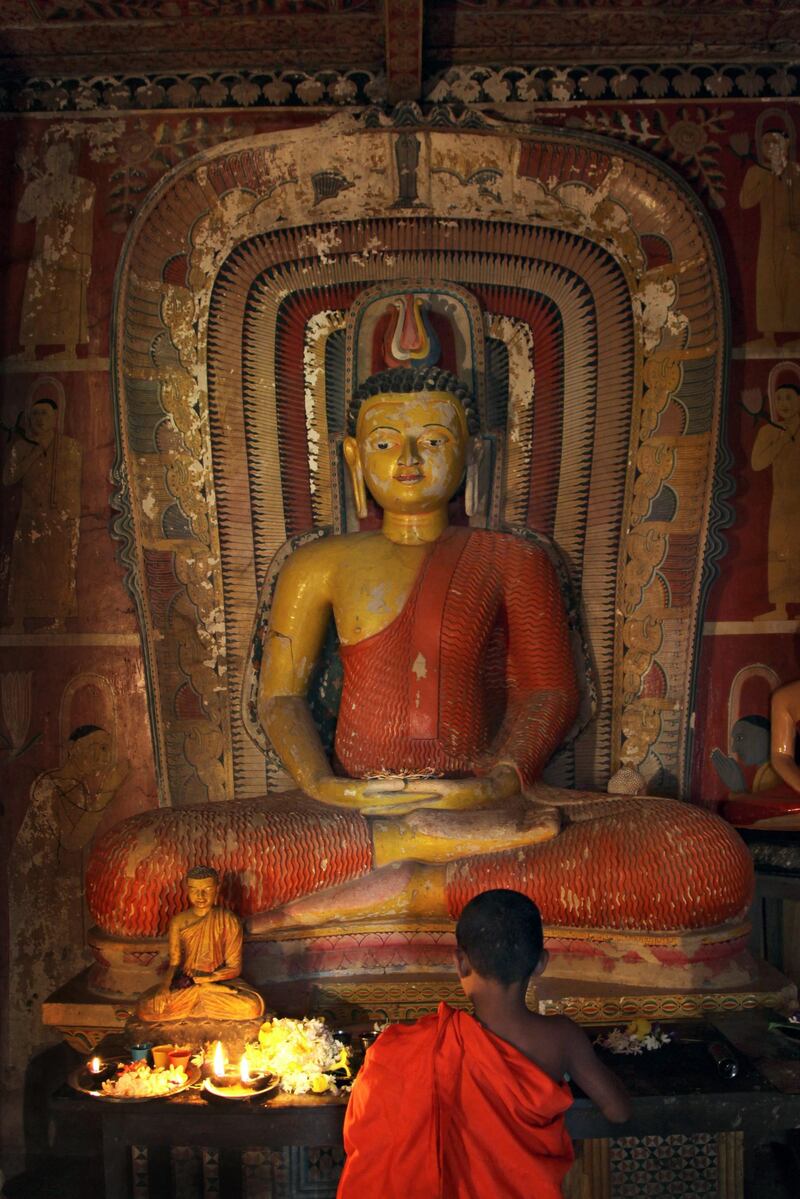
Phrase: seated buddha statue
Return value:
(459, 686)
(205, 960)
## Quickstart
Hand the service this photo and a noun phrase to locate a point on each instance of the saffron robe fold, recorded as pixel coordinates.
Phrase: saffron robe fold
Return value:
(444, 1109)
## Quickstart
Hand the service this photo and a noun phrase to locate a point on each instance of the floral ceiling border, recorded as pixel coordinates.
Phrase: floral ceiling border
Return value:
(487, 85)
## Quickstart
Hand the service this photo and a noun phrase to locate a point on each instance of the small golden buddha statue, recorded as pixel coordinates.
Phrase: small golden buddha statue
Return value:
(205, 959)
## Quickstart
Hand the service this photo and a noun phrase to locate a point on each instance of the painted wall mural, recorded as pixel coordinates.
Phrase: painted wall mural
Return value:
(43, 464)
(77, 181)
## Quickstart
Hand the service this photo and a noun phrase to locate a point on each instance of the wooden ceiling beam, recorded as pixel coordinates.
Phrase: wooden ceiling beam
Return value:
(402, 22)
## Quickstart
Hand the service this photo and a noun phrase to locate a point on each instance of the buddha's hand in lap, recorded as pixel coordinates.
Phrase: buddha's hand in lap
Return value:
(354, 793)
(397, 796)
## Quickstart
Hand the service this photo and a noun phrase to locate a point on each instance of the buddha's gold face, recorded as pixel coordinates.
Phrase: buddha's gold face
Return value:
(413, 449)
(202, 893)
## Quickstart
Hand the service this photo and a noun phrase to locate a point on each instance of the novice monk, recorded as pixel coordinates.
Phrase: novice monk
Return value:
(463, 1107)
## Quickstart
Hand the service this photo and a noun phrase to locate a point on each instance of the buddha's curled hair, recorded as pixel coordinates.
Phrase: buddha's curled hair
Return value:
(403, 380)
(198, 872)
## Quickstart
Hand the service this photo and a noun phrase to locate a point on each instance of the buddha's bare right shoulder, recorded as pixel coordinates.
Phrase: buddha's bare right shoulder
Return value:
(326, 552)
(322, 561)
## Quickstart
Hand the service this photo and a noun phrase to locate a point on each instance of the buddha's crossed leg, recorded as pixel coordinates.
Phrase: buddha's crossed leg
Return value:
(411, 853)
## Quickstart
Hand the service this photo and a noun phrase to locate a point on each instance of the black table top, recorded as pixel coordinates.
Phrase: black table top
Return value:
(675, 1088)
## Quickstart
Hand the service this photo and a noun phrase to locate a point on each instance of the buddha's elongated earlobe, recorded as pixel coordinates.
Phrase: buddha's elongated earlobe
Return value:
(353, 460)
(473, 497)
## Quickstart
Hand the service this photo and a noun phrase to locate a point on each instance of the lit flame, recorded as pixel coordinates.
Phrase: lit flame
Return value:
(219, 1060)
(94, 1065)
(244, 1069)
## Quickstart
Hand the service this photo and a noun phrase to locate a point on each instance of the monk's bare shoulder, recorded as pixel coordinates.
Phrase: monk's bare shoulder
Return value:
(554, 1041)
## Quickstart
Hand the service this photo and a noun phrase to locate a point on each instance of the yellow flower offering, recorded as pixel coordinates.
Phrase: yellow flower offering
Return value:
(639, 1027)
(302, 1053)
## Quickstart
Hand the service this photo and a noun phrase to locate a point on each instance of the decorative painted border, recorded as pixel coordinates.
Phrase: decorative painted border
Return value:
(614, 81)
(195, 89)
(472, 85)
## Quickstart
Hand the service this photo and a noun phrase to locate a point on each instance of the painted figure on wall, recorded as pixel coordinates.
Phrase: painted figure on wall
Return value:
(759, 792)
(777, 445)
(46, 873)
(773, 185)
(46, 464)
(205, 961)
(74, 796)
(54, 308)
(750, 740)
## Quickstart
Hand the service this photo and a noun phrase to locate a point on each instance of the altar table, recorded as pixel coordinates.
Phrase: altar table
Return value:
(680, 1105)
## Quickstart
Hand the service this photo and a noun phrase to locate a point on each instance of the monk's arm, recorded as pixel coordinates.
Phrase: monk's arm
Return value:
(596, 1080)
(543, 699)
(784, 714)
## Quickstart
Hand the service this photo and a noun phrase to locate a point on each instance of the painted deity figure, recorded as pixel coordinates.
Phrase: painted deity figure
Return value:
(205, 960)
(47, 866)
(777, 446)
(773, 185)
(459, 685)
(750, 741)
(54, 310)
(46, 464)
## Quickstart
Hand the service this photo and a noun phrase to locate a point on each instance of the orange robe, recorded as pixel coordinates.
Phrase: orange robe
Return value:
(444, 1109)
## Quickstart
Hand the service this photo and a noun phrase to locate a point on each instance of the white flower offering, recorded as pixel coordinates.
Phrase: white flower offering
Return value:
(302, 1053)
(636, 1037)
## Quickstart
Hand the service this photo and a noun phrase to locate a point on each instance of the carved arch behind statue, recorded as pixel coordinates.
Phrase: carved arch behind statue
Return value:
(594, 267)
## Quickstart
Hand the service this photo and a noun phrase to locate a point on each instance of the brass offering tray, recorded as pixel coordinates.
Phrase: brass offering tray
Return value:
(268, 1084)
(86, 1083)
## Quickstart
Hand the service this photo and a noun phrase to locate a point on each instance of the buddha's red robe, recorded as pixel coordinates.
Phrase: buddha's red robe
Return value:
(443, 1109)
(476, 669)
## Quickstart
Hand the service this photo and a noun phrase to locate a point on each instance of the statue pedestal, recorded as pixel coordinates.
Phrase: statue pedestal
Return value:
(715, 957)
(360, 999)
(712, 958)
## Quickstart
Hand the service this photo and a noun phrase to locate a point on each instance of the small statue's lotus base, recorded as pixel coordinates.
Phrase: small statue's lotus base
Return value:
(234, 1034)
(125, 967)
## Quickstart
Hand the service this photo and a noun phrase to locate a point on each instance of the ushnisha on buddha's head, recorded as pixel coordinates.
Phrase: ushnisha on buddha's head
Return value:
(202, 885)
(410, 433)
